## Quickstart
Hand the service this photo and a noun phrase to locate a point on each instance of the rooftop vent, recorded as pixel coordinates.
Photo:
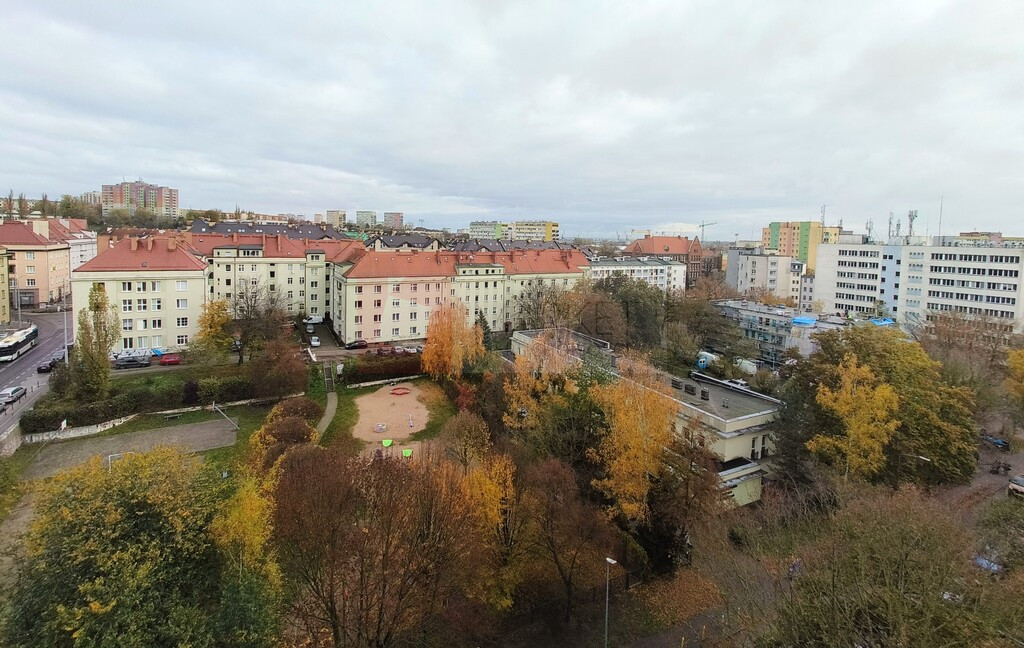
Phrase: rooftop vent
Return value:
(677, 384)
(725, 403)
(705, 394)
(690, 389)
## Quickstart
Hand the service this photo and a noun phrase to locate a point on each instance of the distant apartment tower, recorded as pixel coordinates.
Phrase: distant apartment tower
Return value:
(336, 218)
(366, 218)
(394, 220)
(92, 198)
(162, 201)
(318, 218)
(798, 239)
(515, 231)
(486, 229)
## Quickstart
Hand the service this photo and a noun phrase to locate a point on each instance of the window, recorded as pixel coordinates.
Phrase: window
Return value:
(143, 341)
(182, 340)
(143, 325)
(414, 287)
(413, 302)
(313, 284)
(359, 291)
(141, 305)
(376, 333)
(182, 322)
(302, 293)
(376, 318)
(180, 286)
(376, 303)
(158, 340)
(377, 289)
(412, 330)
(30, 269)
(359, 303)
(314, 297)
(154, 286)
(395, 317)
(412, 316)
(394, 332)
(398, 287)
(30, 282)
(157, 324)
(359, 334)
(30, 255)
(359, 319)
(227, 282)
(395, 303)
(254, 268)
(126, 324)
(128, 343)
(290, 294)
(182, 303)
(126, 305)
(289, 281)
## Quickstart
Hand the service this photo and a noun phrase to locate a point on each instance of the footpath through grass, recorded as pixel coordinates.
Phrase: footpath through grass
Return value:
(339, 432)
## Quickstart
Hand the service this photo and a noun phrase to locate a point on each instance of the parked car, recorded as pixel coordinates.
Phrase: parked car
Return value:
(314, 341)
(996, 442)
(48, 366)
(131, 362)
(12, 394)
(170, 359)
(411, 349)
(356, 344)
(1016, 486)
(309, 328)
(314, 319)
(419, 348)
(397, 350)
(385, 350)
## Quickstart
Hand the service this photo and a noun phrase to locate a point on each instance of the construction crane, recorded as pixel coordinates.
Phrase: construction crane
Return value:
(702, 226)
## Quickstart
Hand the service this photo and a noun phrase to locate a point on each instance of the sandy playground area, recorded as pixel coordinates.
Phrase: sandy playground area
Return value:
(398, 407)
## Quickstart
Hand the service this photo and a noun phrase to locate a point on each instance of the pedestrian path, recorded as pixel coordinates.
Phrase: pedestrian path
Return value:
(325, 420)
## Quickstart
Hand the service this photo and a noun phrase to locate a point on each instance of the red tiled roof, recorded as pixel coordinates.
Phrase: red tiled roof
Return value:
(57, 231)
(148, 254)
(383, 264)
(655, 245)
(78, 225)
(276, 245)
(15, 233)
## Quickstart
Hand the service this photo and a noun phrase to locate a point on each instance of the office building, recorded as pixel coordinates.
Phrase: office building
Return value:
(394, 220)
(132, 196)
(756, 269)
(798, 239)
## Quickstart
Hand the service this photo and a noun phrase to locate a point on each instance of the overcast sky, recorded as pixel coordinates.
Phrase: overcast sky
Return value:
(606, 116)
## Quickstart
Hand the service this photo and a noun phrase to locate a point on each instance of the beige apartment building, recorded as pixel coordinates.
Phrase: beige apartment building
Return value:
(5, 295)
(38, 268)
(157, 286)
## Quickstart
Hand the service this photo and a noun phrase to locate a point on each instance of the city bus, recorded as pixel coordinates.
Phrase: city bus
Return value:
(17, 343)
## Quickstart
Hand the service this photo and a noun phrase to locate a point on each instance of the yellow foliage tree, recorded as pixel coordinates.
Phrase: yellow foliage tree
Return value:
(538, 377)
(640, 414)
(866, 406)
(1014, 383)
(451, 341)
(498, 497)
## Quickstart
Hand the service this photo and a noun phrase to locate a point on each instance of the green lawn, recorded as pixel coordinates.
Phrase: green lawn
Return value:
(250, 418)
(152, 421)
(339, 432)
(11, 486)
(439, 407)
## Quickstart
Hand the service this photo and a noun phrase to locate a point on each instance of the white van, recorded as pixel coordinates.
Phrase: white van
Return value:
(314, 319)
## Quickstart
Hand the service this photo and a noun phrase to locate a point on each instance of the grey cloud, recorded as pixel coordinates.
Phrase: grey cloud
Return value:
(607, 116)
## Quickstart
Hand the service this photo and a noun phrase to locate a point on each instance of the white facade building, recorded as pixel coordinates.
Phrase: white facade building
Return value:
(750, 269)
(664, 274)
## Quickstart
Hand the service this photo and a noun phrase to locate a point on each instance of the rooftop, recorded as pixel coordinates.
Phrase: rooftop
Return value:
(635, 261)
(144, 254)
(15, 233)
(662, 245)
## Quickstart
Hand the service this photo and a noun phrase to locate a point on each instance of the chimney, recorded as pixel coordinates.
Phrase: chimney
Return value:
(135, 244)
(647, 236)
(149, 243)
(234, 237)
(172, 244)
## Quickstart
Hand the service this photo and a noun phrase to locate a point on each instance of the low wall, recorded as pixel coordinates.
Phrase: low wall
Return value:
(10, 441)
(89, 430)
(385, 381)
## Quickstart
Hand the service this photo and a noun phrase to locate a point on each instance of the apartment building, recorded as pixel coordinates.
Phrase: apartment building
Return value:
(387, 296)
(515, 230)
(38, 269)
(487, 230)
(807, 301)
(157, 286)
(732, 421)
(798, 239)
(366, 218)
(335, 218)
(92, 198)
(75, 232)
(664, 274)
(394, 220)
(675, 248)
(752, 269)
(162, 201)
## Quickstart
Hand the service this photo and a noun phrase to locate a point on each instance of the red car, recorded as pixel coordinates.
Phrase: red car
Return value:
(170, 359)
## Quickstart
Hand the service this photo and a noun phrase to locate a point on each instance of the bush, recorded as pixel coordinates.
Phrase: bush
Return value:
(289, 430)
(371, 368)
(190, 393)
(224, 390)
(300, 407)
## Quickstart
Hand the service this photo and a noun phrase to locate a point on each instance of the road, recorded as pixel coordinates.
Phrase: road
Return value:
(22, 372)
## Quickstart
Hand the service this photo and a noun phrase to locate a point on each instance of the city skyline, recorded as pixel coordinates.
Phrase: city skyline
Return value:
(659, 118)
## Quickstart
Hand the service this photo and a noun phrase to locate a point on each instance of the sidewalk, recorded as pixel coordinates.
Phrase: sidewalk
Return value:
(329, 410)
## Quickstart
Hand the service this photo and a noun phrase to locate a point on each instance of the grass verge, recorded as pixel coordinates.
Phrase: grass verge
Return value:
(439, 407)
(339, 432)
(11, 486)
(250, 418)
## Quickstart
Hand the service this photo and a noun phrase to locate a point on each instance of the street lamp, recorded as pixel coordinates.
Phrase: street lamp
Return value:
(607, 590)
(65, 309)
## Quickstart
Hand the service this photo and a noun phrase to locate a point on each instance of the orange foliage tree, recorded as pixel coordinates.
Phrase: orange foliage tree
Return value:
(640, 415)
(451, 342)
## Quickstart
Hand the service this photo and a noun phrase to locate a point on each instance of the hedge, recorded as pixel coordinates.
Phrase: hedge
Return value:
(48, 415)
(370, 368)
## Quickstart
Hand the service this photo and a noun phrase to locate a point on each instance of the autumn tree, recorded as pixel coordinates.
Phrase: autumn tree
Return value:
(8, 205)
(23, 206)
(641, 416)
(99, 329)
(258, 316)
(451, 342)
(550, 306)
(120, 555)
(934, 419)
(1014, 382)
(642, 304)
(373, 550)
(865, 406)
(602, 317)
(567, 531)
(301, 407)
(466, 438)
(279, 371)
(212, 341)
(498, 492)
(710, 287)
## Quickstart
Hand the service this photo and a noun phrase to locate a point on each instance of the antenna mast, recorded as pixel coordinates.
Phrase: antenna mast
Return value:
(940, 215)
(911, 217)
